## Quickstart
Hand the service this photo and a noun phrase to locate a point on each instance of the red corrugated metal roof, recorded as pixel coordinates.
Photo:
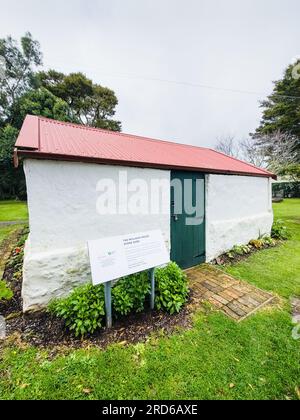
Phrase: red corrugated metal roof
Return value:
(49, 139)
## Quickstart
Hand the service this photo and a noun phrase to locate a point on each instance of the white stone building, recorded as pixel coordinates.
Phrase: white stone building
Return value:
(86, 183)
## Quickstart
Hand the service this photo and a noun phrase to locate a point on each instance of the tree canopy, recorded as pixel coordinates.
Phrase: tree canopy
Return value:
(25, 90)
(89, 103)
(281, 110)
(17, 73)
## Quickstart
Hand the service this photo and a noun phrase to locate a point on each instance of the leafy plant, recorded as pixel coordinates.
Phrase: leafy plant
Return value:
(260, 243)
(241, 249)
(171, 288)
(83, 311)
(130, 292)
(5, 292)
(268, 241)
(279, 230)
(257, 243)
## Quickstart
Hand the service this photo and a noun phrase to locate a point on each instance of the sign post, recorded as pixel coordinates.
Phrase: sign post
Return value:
(119, 256)
(152, 279)
(107, 296)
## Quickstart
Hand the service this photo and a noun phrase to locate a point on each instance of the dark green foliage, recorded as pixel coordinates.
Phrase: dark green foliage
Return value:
(12, 180)
(286, 189)
(89, 103)
(83, 310)
(292, 172)
(281, 110)
(73, 98)
(43, 103)
(18, 74)
(130, 293)
(171, 288)
(279, 230)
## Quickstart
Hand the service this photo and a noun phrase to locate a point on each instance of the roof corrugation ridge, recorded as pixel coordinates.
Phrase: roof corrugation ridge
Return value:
(117, 133)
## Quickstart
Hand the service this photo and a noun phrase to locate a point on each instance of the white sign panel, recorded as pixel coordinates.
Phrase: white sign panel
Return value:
(119, 256)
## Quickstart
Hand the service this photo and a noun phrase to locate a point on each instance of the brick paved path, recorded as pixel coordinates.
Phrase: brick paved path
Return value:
(235, 298)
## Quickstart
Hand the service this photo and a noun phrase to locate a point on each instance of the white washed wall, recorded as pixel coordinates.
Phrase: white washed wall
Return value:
(238, 209)
(62, 199)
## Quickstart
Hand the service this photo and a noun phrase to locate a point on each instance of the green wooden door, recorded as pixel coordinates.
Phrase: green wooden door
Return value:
(187, 218)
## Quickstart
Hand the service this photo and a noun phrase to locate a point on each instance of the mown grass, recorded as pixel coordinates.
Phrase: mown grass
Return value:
(5, 231)
(13, 211)
(278, 269)
(216, 359)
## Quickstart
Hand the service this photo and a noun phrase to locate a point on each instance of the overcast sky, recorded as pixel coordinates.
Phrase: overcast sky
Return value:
(128, 44)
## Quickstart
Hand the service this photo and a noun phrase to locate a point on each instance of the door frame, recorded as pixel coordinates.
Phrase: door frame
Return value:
(204, 177)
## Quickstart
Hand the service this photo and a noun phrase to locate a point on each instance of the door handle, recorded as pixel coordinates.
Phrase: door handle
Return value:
(175, 217)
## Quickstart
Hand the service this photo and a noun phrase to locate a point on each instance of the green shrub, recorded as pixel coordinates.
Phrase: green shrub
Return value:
(279, 230)
(171, 288)
(24, 236)
(267, 240)
(5, 292)
(239, 250)
(83, 311)
(129, 294)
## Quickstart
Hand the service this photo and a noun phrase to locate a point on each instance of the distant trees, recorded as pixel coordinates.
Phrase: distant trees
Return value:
(278, 135)
(89, 103)
(275, 144)
(25, 90)
(17, 75)
(244, 149)
(281, 110)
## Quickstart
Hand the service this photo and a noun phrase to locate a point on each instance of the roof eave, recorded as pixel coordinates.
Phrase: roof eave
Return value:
(69, 158)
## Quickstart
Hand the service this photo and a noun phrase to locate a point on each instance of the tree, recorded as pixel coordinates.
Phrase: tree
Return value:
(279, 150)
(12, 182)
(89, 103)
(51, 94)
(17, 73)
(252, 154)
(291, 171)
(246, 150)
(228, 146)
(281, 110)
(43, 103)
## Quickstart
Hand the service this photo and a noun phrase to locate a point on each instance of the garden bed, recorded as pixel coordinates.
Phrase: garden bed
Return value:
(44, 330)
(233, 258)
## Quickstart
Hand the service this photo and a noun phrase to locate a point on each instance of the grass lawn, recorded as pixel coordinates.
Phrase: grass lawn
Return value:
(216, 359)
(13, 211)
(6, 231)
